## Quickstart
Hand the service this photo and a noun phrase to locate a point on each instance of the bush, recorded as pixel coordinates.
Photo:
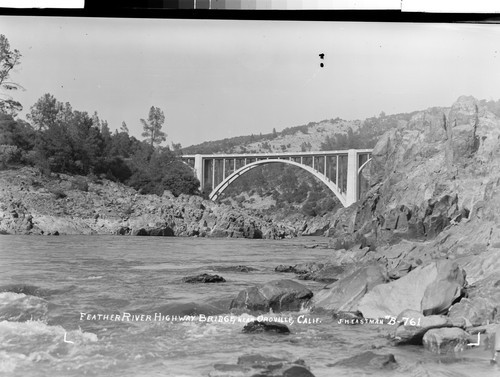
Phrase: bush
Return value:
(9, 154)
(58, 193)
(80, 183)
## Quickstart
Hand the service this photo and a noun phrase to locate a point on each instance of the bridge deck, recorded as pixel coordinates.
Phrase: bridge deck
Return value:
(275, 155)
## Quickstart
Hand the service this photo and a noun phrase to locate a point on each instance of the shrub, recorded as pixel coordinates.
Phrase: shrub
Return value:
(58, 193)
(8, 154)
(80, 183)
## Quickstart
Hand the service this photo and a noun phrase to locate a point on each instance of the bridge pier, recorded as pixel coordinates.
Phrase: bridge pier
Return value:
(352, 177)
(198, 168)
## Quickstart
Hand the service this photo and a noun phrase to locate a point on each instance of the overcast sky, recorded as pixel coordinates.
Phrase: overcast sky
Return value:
(218, 78)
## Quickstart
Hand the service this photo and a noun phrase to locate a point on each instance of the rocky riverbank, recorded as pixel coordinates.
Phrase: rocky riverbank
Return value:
(31, 203)
(426, 238)
(421, 251)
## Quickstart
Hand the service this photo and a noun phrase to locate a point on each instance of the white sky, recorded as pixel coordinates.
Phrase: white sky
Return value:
(218, 78)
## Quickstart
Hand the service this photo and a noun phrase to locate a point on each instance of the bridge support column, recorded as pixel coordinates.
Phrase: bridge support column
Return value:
(198, 168)
(352, 177)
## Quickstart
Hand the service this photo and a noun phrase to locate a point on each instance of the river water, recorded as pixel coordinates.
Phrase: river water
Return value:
(56, 324)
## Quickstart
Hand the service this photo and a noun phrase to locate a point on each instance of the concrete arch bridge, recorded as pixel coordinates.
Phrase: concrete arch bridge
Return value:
(338, 170)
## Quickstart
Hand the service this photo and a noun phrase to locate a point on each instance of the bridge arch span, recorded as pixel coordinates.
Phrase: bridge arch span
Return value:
(217, 191)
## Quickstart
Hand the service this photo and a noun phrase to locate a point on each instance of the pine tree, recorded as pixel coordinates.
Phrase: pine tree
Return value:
(8, 60)
(124, 127)
(152, 127)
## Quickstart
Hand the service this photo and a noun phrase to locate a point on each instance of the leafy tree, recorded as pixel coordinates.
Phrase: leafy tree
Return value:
(8, 60)
(16, 132)
(156, 170)
(86, 142)
(102, 125)
(177, 148)
(123, 145)
(8, 153)
(152, 127)
(305, 146)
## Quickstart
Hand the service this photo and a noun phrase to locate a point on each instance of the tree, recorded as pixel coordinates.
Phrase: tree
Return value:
(8, 60)
(177, 148)
(45, 113)
(16, 132)
(152, 127)
(124, 127)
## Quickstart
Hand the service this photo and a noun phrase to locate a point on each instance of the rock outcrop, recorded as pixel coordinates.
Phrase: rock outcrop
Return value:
(431, 217)
(435, 172)
(34, 204)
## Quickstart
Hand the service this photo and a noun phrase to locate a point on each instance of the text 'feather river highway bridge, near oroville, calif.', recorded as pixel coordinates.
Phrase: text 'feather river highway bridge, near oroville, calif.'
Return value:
(339, 170)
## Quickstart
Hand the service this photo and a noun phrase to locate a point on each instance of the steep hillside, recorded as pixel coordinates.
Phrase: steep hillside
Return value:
(314, 136)
(435, 193)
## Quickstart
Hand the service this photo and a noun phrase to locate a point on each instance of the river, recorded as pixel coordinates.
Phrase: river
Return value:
(112, 306)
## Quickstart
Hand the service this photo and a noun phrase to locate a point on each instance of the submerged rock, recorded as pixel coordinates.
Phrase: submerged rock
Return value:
(283, 268)
(278, 295)
(429, 289)
(307, 268)
(233, 268)
(259, 365)
(328, 273)
(368, 359)
(261, 326)
(347, 316)
(204, 278)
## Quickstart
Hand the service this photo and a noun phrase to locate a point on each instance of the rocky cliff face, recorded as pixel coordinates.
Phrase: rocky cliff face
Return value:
(34, 204)
(435, 183)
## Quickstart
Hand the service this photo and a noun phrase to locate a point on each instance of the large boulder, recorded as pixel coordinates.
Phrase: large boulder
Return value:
(429, 289)
(344, 294)
(278, 295)
(446, 340)
(413, 325)
(482, 305)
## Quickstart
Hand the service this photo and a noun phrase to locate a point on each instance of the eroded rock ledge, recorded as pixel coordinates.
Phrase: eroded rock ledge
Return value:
(61, 204)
